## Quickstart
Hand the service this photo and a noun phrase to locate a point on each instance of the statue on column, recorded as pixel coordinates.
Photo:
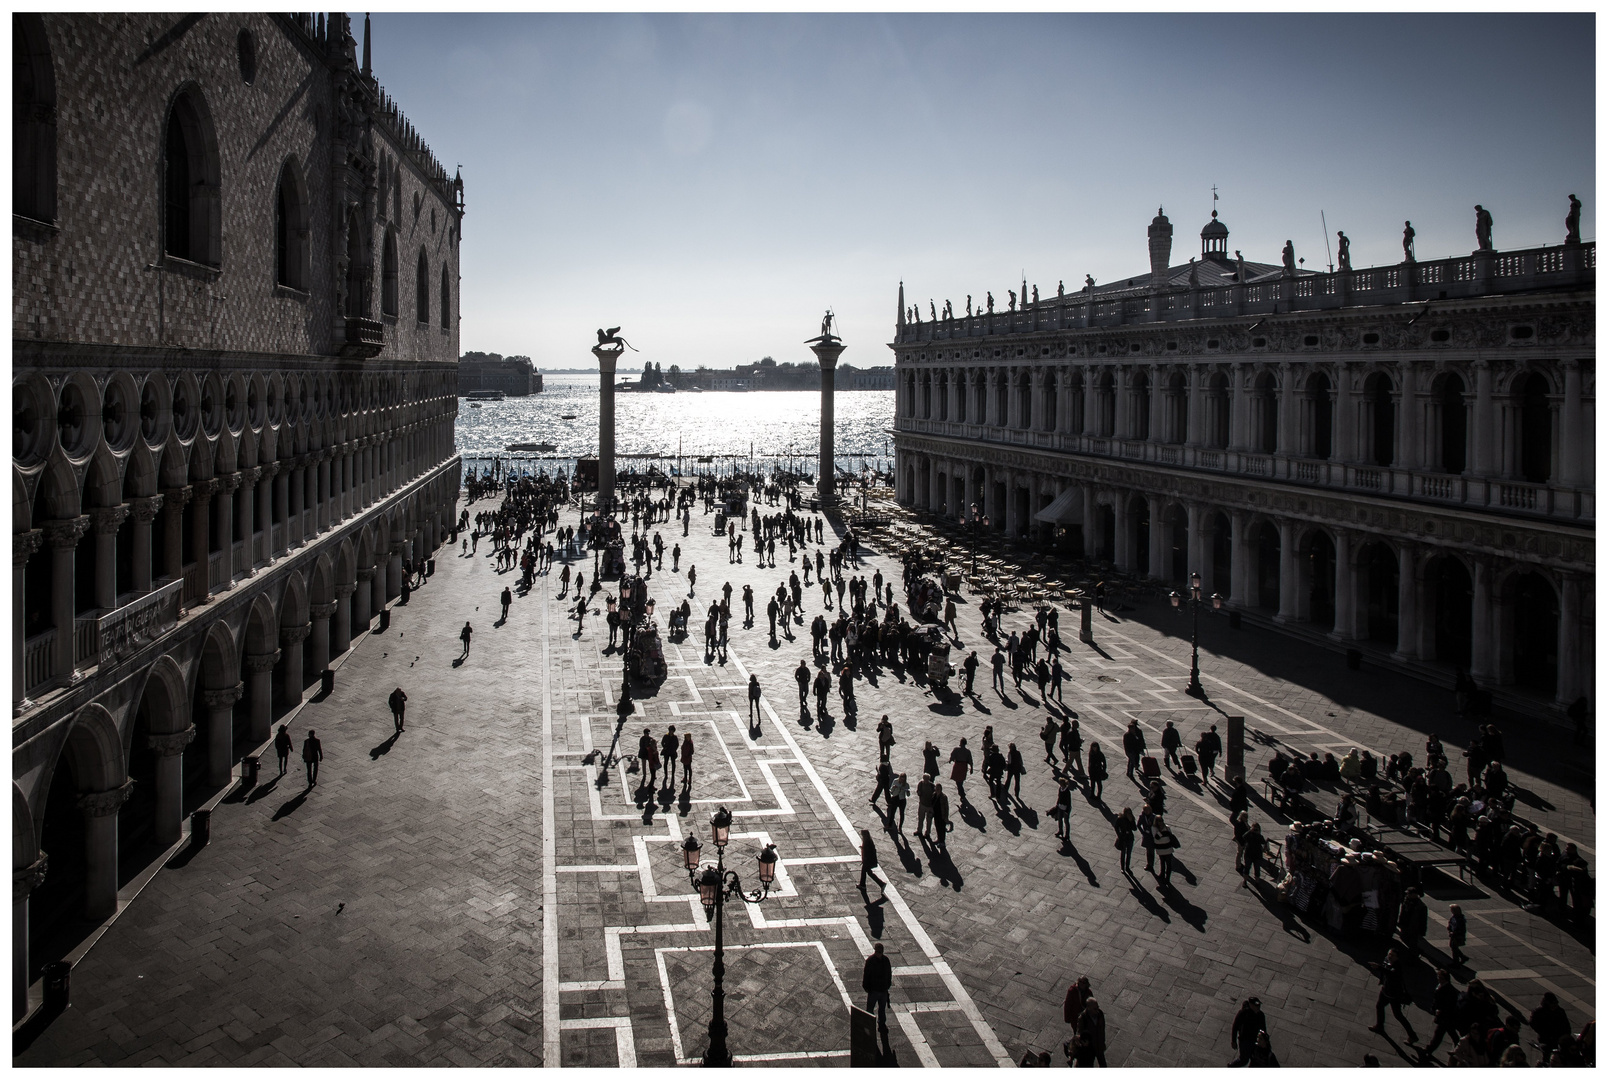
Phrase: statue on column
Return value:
(1088, 281)
(826, 322)
(933, 309)
(1035, 294)
(1345, 251)
(991, 303)
(1571, 223)
(968, 306)
(1482, 227)
(1060, 288)
(1239, 267)
(1407, 235)
(611, 338)
(1013, 299)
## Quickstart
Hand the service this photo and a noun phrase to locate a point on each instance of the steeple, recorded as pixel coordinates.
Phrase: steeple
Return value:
(368, 66)
(1161, 232)
(901, 321)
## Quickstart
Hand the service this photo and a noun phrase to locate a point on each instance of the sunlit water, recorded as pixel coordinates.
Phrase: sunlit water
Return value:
(774, 427)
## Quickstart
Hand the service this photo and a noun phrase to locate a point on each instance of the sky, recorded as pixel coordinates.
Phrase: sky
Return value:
(713, 183)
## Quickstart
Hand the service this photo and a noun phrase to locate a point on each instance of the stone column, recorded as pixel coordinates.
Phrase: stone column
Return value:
(265, 511)
(1289, 437)
(64, 536)
(1409, 443)
(1289, 604)
(1344, 449)
(1194, 406)
(220, 731)
(1158, 537)
(1091, 402)
(1482, 661)
(1198, 563)
(291, 638)
(144, 512)
(321, 492)
(321, 616)
(393, 575)
(607, 359)
(1158, 405)
(1569, 674)
(1123, 557)
(1576, 450)
(168, 749)
(23, 547)
(200, 522)
(282, 471)
(1239, 415)
(341, 631)
(260, 684)
(295, 519)
(1485, 430)
(1239, 559)
(248, 523)
(1406, 602)
(174, 502)
(227, 485)
(1345, 588)
(107, 519)
(827, 349)
(24, 880)
(100, 849)
(377, 591)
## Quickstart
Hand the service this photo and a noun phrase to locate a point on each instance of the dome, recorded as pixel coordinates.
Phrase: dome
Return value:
(1214, 229)
(1214, 240)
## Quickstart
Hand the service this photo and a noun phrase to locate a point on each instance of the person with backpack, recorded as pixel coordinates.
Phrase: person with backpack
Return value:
(1392, 992)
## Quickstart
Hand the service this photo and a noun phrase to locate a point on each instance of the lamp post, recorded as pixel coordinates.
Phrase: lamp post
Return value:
(974, 520)
(1194, 689)
(715, 884)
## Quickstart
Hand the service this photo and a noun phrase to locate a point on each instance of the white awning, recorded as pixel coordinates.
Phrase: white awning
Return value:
(1066, 509)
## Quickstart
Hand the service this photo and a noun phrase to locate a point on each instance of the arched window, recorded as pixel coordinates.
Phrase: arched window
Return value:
(446, 299)
(383, 203)
(388, 275)
(421, 287)
(290, 230)
(33, 121)
(357, 266)
(1141, 406)
(191, 226)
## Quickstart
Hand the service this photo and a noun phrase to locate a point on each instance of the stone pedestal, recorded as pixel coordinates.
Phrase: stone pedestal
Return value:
(606, 361)
(827, 348)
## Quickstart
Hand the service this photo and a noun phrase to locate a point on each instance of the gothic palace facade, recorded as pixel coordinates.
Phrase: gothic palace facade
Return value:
(234, 324)
(1397, 459)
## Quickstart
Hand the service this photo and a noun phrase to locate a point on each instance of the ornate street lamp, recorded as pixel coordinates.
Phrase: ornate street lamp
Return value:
(715, 885)
(974, 521)
(1194, 689)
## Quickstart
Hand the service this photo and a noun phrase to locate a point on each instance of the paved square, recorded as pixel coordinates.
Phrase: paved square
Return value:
(483, 890)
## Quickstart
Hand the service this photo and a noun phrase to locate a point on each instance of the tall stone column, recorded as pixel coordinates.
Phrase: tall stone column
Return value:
(174, 500)
(1344, 448)
(265, 512)
(24, 880)
(100, 849)
(290, 640)
(1569, 674)
(1576, 450)
(260, 684)
(393, 574)
(220, 731)
(378, 590)
(1239, 559)
(200, 538)
(341, 630)
(1482, 661)
(24, 545)
(1345, 588)
(169, 752)
(64, 536)
(1124, 556)
(607, 359)
(1158, 540)
(827, 348)
(322, 491)
(1239, 416)
(107, 519)
(1407, 603)
(1198, 563)
(361, 598)
(248, 522)
(1485, 463)
(144, 511)
(1289, 603)
(321, 615)
(295, 523)
(282, 471)
(1289, 436)
(228, 484)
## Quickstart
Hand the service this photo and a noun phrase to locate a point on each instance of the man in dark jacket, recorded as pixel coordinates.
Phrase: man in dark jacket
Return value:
(1413, 921)
(312, 754)
(1133, 744)
(1392, 992)
(1089, 1036)
(876, 982)
(1209, 747)
(1445, 1001)
(1171, 743)
(399, 705)
(868, 861)
(1550, 1023)
(1242, 1034)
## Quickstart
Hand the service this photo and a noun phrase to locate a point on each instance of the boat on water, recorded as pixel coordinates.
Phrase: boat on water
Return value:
(539, 447)
(484, 395)
(474, 404)
(664, 388)
(567, 416)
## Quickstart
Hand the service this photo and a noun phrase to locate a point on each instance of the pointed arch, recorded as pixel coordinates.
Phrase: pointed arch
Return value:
(33, 138)
(191, 181)
(220, 658)
(262, 628)
(321, 581)
(293, 604)
(388, 274)
(421, 288)
(292, 250)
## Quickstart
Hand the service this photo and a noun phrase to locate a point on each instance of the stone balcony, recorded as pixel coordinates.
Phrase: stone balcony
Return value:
(362, 338)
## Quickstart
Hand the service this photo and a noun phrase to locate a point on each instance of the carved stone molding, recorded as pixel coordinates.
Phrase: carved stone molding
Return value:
(257, 663)
(108, 519)
(26, 544)
(145, 508)
(202, 489)
(171, 744)
(322, 611)
(224, 698)
(228, 483)
(344, 589)
(365, 574)
(28, 878)
(67, 532)
(177, 498)
(295, 635)
(105, 803)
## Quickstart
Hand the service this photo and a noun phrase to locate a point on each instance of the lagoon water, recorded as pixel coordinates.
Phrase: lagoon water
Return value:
(774, 426)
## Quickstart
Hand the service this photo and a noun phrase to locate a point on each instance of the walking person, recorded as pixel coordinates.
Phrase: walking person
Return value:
(1457, 933)
(1248, 1023)
(1413, 921)
(1209, 747)
(1133, 744)
(668, 747)
(399, 705)
(1171, 743)
(1014, 768)
(464, 635)
(507, 602)
(1097, 769)
(648, 756)
(960, 766)
(898, 796)
(1089, 1042)
(283, 747)
(1446, 1016)
(924, 793)
(1048, 735)
(940, 815)
(868, 861)
(970, 666)
(1072, 745)
(1253, 846)
(1062, 811)
(884, 780)
(1392, 992)
(754, 693)
(686, 763)
(312, 754)
(1126, 827)
(1165, 843)
(885, 742)
(876, 981)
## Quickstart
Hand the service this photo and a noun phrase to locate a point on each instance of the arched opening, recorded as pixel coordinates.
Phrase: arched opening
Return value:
(33, 121)
(1450, 593)
(1535, 431)
(1222, 555)
(191, 228)
(1535, 634)
(1452, 418)
(421, 286)
(1141, 406)
(56, 907)
(446, 299)
(1381, 411)
(1320, 579)
(1381, 578)
(1320, 405)
(1139, 510)
(1267, 567)
(1107, 517)
(1267, 413)
(291, 230)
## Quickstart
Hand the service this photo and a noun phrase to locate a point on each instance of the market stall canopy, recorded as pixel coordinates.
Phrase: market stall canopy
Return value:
(1067, 509)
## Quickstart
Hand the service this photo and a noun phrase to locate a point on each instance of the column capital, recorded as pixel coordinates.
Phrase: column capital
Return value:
(1569, 364)
(344, 589)
(223, 698)
(249, 476)
(105, 803)
(270, 469)
(145, 508)
(172, 743)
(203, 489)
(28, 878)
(108, 519)
(257, 663)
(365, 573)
(228, 483)
(322, 611)
(177, 497)
(295, 635)
(24, 544)
(67, 532)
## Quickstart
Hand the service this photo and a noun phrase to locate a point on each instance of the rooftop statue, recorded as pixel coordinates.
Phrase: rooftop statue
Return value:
(1194, 278)
(1345, 251)
(1482, 227)
(1088, 281)
(991, 303)
(1289, 258)
(1035, 294)
(826, 322)
(1571, 223)
(1060, 287)
(1013, 299)
(1407, 235)
(932, 307)
(968, 305)
(1239, 266)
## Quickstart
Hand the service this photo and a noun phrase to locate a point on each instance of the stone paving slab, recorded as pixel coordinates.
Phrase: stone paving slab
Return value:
(433, 842)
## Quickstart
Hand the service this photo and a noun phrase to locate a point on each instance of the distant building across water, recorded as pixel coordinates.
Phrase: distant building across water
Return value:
(515, 376)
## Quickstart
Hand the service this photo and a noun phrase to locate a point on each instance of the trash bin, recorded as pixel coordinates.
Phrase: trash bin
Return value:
(429, 568)
(58, 979)
(248, 770)
(328, 682)
(385, 618)
(200, 827)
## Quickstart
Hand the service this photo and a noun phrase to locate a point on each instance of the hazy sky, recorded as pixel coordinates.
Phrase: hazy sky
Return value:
(712, 183)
